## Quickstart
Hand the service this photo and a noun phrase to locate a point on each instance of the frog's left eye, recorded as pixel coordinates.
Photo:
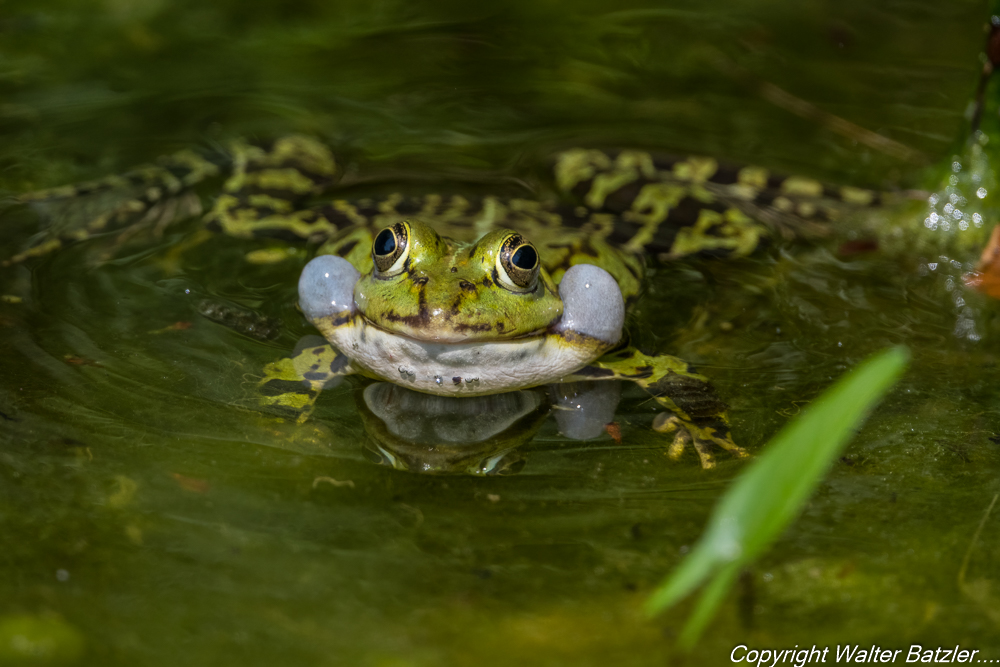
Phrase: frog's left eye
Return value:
(517, 264)
(391, 248)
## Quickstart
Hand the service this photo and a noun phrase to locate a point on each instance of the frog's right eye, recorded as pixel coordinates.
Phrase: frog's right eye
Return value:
(391, 248)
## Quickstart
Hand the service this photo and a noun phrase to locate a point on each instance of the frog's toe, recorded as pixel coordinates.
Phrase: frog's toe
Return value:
(703, 438)
(682, 440)
(592, 303)
(326, 287)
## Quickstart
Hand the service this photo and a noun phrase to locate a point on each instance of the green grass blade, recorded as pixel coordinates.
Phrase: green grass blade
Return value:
(711, 597)
(772, 490)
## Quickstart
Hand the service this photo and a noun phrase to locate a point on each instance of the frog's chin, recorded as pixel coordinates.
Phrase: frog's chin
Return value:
(593, 315)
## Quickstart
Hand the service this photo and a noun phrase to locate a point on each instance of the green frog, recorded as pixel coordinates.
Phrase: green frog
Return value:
(462, 296)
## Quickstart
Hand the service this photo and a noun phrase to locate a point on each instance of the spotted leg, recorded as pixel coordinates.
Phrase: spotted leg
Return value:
(674, 206)
(291, 385)
(695, 414)
(268, 191)
(149, 197)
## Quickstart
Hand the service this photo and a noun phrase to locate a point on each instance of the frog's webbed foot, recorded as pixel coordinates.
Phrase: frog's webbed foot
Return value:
(703, 437)
(694, 412)
(292, 385)
(147, 198)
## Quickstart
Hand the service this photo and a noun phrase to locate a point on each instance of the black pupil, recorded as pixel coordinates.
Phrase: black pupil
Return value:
(524, 257)
(385, 242)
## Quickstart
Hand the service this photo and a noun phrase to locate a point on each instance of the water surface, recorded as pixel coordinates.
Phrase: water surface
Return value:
(150, 513)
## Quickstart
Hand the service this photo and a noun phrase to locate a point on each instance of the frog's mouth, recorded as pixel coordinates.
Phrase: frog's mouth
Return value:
(592, 301)
(591, 323)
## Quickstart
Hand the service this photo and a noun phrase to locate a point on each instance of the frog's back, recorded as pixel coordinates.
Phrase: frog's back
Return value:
(607, 208)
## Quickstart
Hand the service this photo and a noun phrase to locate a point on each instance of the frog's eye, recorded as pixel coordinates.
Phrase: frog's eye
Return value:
(391, 248)
(517, 264)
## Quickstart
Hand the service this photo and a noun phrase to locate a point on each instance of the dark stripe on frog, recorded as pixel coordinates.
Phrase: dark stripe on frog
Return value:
(775, 181)
(346, 249)
(408, 206)
(338, 321)
(685, 214)
(765, 197)
(726, 174)
(621, 199)
(475, 328)
(641, 373)
(423, 316)
(573, 217)
(595, 372)
(294, 159)
(695, 397)
(797, 206)
(279, 387)
(337, 365)
(624, 230)
(219, 218)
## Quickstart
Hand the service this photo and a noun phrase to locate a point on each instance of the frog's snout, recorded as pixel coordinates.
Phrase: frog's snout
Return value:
(326, 287)
(592, 303)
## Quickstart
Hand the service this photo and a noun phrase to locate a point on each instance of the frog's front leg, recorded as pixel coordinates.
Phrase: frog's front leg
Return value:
(696, 413)
(293, 384)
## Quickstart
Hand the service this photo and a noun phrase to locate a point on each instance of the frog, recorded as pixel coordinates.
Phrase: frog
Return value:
(464, 296)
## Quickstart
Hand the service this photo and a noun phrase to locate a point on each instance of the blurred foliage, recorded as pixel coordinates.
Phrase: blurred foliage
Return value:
(453, 86)
(770, 493)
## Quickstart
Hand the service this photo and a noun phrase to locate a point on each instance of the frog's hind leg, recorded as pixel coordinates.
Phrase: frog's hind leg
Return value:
(153, 196)
(291, 385)
(674, 206)
(268, 191)
(696, 416)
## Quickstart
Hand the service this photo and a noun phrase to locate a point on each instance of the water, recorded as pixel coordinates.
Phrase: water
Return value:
(151, 514)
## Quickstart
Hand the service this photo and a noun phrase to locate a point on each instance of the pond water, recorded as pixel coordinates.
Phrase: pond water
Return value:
(150, 513)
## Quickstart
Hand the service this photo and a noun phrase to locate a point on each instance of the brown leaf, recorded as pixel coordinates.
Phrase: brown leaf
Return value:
(615, 431)
(986, 277)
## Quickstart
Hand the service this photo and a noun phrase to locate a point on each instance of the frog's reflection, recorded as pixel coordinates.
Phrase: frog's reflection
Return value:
(477, 435)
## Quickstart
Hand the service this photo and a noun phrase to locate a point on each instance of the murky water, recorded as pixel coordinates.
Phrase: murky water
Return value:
(150, 513)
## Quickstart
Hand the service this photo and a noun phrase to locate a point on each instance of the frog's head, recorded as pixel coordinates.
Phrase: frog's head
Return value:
(470, 318)
(430, 288)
